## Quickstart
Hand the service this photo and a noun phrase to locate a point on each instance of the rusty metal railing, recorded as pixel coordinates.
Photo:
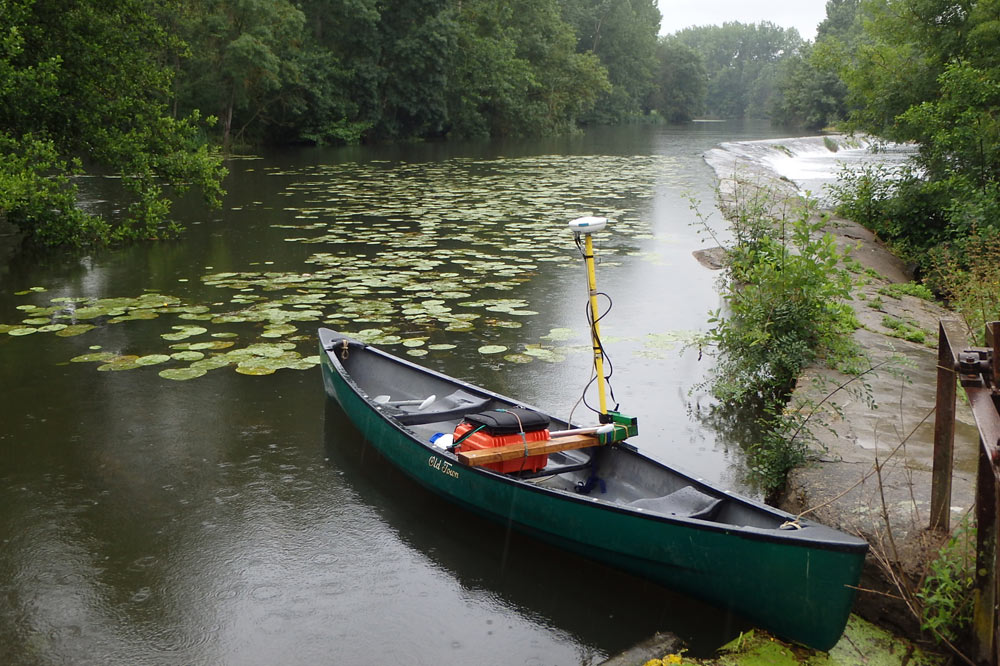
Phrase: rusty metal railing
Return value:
(977, 369)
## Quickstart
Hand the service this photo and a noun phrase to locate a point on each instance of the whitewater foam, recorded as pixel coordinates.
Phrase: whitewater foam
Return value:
(808, 164)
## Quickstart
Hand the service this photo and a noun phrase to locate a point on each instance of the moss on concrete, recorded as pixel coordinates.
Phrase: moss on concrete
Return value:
(863, 644)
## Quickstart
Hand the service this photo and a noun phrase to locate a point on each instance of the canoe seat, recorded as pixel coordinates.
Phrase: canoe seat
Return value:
(687, 501)
(452, 406)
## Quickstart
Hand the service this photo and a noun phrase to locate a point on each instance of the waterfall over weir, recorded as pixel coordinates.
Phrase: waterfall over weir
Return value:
(807, 164)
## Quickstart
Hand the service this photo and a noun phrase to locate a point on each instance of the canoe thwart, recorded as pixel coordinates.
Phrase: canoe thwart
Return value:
(479, 457)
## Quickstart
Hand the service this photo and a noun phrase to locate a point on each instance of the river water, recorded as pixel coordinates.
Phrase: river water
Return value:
(175, 489)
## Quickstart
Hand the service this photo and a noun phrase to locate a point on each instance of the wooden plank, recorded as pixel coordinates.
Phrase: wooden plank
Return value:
(497, 454)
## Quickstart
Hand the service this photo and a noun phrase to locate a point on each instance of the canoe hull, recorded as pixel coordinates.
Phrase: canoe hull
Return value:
(799, 590)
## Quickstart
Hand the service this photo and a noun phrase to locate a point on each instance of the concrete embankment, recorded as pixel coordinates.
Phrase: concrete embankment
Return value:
(871, 473)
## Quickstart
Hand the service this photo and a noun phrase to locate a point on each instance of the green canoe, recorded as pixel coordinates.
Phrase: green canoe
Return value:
(608, 502)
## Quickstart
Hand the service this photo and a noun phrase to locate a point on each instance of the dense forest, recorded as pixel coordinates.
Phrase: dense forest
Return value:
(157, 91)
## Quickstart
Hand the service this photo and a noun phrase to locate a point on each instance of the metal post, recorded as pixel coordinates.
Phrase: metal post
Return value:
(986, 594)
(944, 433)
(981, 382)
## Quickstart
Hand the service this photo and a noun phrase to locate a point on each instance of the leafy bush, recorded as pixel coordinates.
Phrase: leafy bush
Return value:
(968, 275)
(36, 194)
(899, 289)
(904, 329)
(946, 592)
(908, 213)
(785, 307)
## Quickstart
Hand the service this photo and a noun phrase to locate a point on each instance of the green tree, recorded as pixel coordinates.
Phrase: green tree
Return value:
(491, 78)
(811, 92)
(623, 34)
(927, 71)
(681, 82)
(808, 94)
(842, 21)
(418, 41)
(84, 81)
(742, 64)
(244, 57)
(341, 75)
(518, 72)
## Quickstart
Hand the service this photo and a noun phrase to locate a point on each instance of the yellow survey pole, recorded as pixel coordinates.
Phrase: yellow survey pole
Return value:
(587, 226)
(595, 331)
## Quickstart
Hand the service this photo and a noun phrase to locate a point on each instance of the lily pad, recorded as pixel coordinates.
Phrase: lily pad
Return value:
(212, 362)
(518, 358)
(182, 374)
(120, 363)
(183, 332)
(75, 329)
(544, 354)
(278, 331)
(95, 357)
(559, 334)
(253, 369)
(22, 330)
(187, 356)
(214, 345)
(152, 359)
(492, 349)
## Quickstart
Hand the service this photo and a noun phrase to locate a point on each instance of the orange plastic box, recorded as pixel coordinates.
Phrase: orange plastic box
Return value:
(483, 440)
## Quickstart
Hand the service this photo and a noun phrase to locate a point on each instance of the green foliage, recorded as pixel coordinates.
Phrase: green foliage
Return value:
(355, 71)
(681, 82)
(898, 205)
(898, 289)
(623, 36)
(968, 275)
(808, 94)
(946, 592)
(785, 307)
(782, 444)
(926, 71)
(86, 82)
(37, 195)
(742, 62)
(905, 330)
(785, 295)
(243, 60)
